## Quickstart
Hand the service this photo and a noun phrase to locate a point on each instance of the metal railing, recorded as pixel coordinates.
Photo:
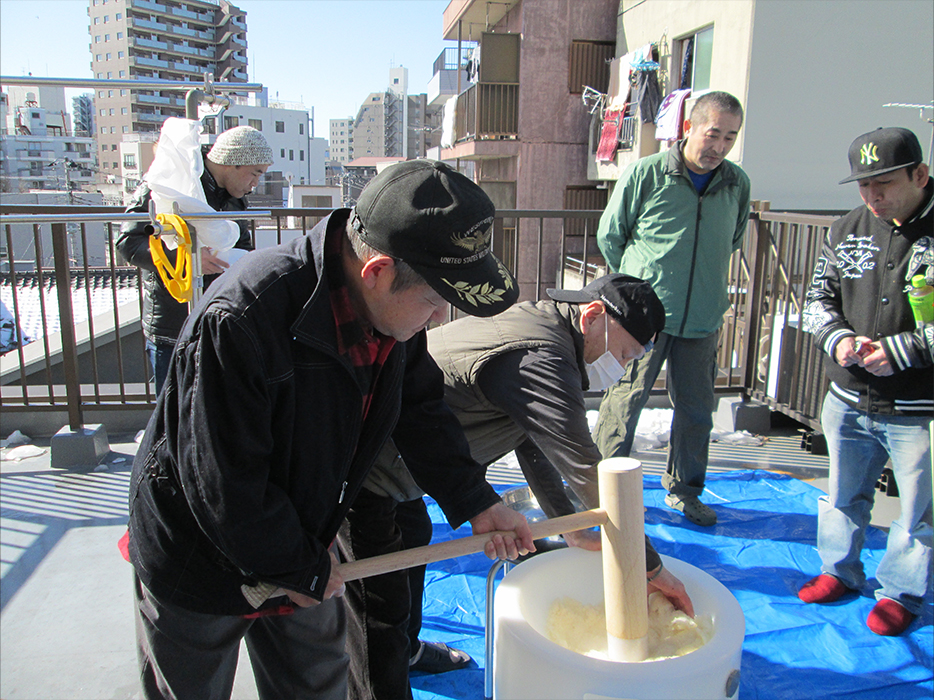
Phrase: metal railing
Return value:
(96, 359)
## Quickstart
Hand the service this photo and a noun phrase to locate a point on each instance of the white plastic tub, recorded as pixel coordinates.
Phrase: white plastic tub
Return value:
(527, 665)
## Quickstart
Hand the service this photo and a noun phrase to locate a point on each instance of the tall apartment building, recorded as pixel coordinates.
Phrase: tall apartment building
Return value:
(82, 115)
(340, 140)
(158, 39)
(392, 123)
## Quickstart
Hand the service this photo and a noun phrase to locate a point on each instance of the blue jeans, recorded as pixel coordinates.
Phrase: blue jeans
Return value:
(691, 372)
(860, 444)
(159, 356)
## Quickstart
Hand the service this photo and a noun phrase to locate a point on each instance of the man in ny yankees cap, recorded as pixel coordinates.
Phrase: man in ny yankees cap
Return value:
(878, 359)
(287, 379)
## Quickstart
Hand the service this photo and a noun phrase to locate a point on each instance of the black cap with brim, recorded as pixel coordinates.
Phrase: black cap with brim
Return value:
(440, 223)
(629, 300)
(882, 151)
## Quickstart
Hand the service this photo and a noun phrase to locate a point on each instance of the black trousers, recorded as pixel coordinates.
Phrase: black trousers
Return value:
(384, 613)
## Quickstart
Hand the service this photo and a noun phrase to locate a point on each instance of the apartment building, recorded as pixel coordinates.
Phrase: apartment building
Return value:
(520, 128)
(811, 76)
(157, 39)
(340, 141)
(392, 123)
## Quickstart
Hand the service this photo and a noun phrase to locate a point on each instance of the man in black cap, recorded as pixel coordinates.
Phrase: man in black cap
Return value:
(515, 381)
(287, 379)
(881, 396)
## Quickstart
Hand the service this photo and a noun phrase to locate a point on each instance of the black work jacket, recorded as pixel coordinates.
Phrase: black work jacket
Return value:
(163, 316)
(258, 445)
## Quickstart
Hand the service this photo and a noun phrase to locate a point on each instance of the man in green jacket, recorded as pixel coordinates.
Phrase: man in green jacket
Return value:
(674, 220)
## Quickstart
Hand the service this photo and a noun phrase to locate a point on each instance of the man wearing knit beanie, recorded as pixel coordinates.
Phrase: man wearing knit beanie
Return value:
(232, 168)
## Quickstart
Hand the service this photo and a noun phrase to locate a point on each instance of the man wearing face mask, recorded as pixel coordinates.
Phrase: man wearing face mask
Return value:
(515, 381)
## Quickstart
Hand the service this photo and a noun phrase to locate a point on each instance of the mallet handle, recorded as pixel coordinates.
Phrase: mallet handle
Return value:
(407, 558)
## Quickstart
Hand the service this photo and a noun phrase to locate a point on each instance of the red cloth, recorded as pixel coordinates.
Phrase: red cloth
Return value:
(609, 135)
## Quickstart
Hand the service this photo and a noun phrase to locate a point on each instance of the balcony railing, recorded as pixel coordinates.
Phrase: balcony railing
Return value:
(94, 360)
(488, 111)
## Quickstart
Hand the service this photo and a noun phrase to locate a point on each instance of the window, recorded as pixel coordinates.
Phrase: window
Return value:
(123, 93)
(696, 52)
(106, 37)
(116, 165)
(100, 94)
(301, 129)
(589, 65)
(97, 20)
(99, 57)
(104, 131)
(256, 124)
(100, 76)
(126, 130)
(129, 161)
(109, 56)
(111, 111)
(97, 39)
(110, 74)
(231, 122)
(119, 16)
(103, 112)
(113, 147)
(119, 35)
(123, 74)
(291, 154)
(106, 19)
(280, 127)
(123, 110)
(282, 153)
(301, 155)
(110, 93)
(103, 145)
(113, 130)
(121, 54)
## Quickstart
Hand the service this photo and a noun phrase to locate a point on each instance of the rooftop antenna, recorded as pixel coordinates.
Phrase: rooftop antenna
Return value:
(929, 120)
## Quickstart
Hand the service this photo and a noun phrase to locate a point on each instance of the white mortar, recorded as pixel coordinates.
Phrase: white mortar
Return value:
(529, 666)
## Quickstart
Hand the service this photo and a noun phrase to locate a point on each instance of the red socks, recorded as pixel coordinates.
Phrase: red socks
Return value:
(823, 589)
(889, 618)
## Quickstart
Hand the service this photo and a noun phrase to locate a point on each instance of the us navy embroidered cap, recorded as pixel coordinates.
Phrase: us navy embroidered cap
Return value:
(440, 223)
(629, 300)
(882, 151)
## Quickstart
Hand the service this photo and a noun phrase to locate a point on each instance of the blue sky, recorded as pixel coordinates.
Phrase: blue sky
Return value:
(328, 54)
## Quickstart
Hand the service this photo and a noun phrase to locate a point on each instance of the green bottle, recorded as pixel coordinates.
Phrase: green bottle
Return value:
(921, 299)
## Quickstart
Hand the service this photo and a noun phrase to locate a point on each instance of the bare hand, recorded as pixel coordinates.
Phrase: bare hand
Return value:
(845, 352)
(585, 539)
(334, 589)
(876, 362)
(672, 588)
(504, 546)
(211, 264)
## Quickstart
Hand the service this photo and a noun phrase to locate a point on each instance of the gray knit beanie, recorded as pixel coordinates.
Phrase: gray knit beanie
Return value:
(242, 145)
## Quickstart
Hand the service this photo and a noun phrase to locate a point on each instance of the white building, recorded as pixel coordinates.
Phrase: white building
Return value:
(39, 151)
(340, 140)
(812, 76)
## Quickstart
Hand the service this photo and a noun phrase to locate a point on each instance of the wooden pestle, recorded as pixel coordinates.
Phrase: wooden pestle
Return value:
(407, 558)
(623, 536)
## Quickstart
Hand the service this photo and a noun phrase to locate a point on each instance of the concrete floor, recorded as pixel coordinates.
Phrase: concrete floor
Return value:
(66, 624)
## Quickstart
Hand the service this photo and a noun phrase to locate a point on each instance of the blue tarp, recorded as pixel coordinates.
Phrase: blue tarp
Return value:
(762, 549)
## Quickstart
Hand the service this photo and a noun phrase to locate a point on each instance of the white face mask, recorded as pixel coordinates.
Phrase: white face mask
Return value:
(607, 370)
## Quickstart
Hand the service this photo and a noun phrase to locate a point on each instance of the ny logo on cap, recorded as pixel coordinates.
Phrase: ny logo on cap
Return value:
(867, 154)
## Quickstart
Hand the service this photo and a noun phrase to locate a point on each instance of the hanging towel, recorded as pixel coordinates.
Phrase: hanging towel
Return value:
(669, 121)
(609, 135)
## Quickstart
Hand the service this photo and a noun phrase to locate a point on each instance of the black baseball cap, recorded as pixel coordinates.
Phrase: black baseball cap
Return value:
(882, 151)
(440, 223)
(629, 300)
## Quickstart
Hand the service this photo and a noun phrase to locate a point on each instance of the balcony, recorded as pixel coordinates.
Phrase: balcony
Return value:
(147, 24)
